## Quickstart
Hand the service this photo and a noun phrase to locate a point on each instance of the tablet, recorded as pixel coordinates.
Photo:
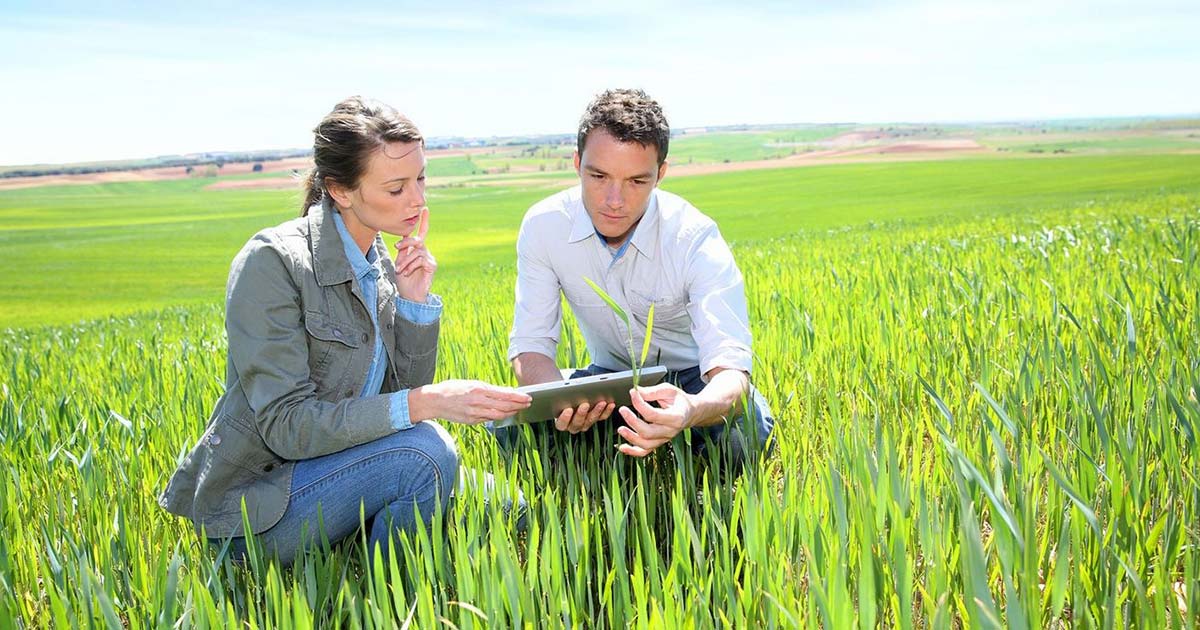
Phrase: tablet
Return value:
(549, 399)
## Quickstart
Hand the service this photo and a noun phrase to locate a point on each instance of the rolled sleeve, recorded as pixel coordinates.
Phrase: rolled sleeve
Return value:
(537, 315)
(420, 313)
(717, 304)
(399, 410)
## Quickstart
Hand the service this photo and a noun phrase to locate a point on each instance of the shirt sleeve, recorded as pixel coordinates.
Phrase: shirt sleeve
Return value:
(268, 350)
(419, 313)
(537, 315)
(399, 410)
(717, 304)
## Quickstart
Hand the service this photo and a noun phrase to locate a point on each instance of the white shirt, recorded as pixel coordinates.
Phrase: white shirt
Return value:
(676, 260)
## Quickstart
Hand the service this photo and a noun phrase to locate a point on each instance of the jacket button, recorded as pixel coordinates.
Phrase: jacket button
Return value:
(389, 325)
(365, 337)
(349, 394)
(268, 467)
(337, 332)
(214, 439)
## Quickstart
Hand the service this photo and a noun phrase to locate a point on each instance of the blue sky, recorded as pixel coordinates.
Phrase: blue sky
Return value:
(85, 82)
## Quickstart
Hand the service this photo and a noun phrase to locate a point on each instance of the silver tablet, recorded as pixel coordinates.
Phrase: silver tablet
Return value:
(549, 399)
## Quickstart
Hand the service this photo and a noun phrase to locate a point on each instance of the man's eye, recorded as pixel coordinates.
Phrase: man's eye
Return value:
(639, 182)
(597, 176)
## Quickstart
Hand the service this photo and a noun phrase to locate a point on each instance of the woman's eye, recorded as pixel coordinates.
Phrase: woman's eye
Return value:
(396, 192)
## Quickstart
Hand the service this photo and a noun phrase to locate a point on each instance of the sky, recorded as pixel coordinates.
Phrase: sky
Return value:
(91, 81)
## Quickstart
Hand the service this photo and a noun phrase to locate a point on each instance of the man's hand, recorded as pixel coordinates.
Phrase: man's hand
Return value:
(582, 419)
(415, 266)
(534, 368)
(657, 425)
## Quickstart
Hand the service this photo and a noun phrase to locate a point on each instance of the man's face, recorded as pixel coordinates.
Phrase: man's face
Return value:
(617, 179)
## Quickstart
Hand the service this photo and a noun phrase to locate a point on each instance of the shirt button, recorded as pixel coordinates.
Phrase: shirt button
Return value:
(389, 325)
(214, 439)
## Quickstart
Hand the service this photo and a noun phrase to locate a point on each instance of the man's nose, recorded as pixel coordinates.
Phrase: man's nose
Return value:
(613, 197)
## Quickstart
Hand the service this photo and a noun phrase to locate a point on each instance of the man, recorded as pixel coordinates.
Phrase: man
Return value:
(644, 246)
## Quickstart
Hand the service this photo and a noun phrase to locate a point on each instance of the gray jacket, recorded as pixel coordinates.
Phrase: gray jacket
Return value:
(300, 344)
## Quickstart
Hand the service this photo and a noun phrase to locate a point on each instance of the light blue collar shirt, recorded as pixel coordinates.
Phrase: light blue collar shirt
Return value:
(366, 273)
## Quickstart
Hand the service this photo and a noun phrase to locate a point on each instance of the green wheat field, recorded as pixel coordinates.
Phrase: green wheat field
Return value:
(985, 373)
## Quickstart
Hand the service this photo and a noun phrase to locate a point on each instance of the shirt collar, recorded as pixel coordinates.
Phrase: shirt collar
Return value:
(362, 265)
(644, 234)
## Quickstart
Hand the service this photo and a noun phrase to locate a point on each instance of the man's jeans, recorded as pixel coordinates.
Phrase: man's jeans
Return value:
(739, 439)
(412, 469)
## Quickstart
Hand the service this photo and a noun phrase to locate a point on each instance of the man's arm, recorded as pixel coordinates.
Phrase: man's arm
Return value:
(536, 320)
(720, 325)
(720, 398)
(534, 367)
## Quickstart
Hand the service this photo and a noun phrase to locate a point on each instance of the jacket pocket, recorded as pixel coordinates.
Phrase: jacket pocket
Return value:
(331, 347)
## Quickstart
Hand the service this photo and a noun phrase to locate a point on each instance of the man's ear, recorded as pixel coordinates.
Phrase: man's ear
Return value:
(662, 172)
(577, 157)
(340, 194)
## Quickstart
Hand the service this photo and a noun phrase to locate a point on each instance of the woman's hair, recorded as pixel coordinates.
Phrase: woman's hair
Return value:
(344, 140)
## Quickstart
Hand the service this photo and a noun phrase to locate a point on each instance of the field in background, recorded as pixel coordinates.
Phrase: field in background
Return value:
(985, 374)
(75, 252)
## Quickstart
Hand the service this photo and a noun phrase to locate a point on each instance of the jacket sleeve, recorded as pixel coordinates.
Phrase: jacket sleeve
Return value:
(268, 349)
(416, 346)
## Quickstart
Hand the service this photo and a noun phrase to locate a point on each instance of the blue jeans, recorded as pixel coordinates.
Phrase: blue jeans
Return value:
(415, 469)
(739, 439)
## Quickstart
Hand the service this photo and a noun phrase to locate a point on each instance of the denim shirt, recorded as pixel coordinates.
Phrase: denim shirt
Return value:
(366, 272)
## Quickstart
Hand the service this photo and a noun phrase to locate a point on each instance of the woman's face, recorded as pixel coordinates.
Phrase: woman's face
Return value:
(390, 194)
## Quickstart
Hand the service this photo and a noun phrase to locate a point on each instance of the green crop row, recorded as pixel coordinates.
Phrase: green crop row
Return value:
(983, 421)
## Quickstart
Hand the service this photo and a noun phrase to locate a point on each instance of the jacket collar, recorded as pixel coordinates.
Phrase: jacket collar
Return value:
(329, 256)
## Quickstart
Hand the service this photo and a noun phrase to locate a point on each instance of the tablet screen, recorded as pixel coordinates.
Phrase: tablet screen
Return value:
(549, 399)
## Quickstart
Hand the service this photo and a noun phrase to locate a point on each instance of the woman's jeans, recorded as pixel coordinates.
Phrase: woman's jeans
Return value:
(415, 469)
(739, 440)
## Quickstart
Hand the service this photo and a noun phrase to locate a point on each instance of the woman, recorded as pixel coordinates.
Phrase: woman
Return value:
(328, 397)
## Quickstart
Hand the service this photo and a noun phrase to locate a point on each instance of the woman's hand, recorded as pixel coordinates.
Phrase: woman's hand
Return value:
(415, 266)
(465, 402)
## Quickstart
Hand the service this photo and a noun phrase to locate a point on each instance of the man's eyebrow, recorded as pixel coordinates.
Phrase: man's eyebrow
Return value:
(645, 175)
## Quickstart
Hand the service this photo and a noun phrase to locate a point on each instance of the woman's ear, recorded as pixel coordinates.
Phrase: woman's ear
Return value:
(339, 193)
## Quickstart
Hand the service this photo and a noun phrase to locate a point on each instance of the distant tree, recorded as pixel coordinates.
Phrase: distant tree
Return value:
(257, 168)
(188, 170)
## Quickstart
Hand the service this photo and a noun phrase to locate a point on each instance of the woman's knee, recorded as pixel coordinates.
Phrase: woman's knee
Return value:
(438, 446)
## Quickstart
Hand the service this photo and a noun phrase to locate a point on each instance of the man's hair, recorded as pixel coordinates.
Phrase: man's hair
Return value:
(630, 116)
